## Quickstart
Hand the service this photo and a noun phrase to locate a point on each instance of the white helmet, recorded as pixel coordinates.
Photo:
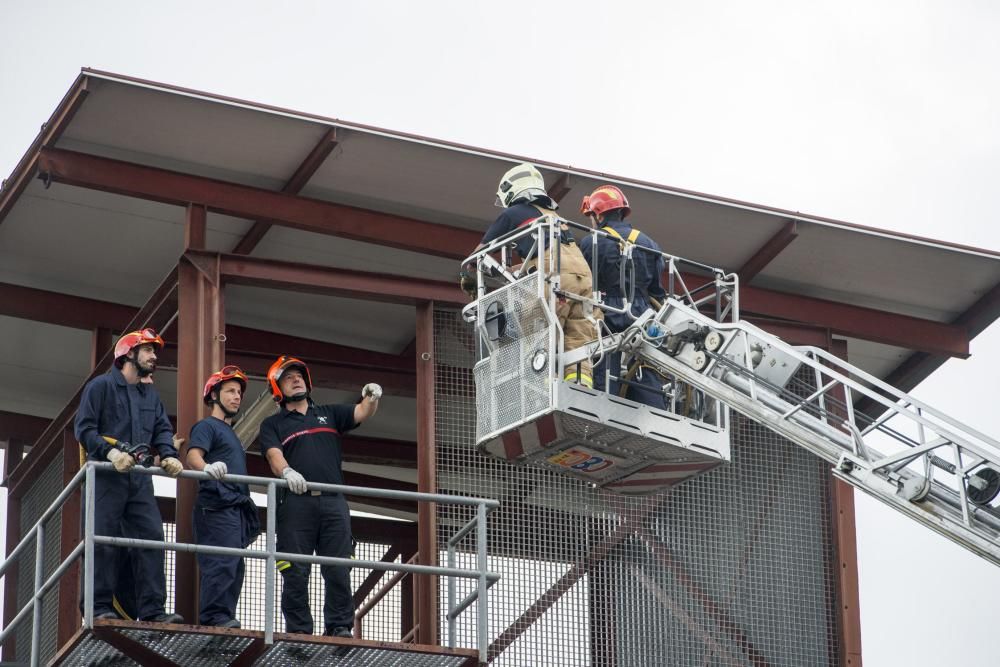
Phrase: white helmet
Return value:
(520, 182)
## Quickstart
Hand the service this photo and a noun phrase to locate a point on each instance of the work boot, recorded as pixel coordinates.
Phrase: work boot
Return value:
(107, 615)
(231, 623)
(341, 631)
(164, 618)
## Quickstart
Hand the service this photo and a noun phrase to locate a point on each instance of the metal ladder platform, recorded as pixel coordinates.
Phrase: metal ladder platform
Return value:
(118, 643)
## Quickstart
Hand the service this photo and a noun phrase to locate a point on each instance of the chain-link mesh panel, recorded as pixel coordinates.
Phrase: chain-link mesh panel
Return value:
(36, 499)
(732, 568)
(518, 390)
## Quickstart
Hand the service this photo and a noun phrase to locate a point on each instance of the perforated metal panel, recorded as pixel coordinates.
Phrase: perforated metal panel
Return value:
(518, 391)
(39, 495)
(732, 568)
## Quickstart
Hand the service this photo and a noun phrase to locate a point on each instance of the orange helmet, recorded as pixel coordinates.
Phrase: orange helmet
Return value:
(603, 199)
(130, 341)
(224, 374)
(278, 368)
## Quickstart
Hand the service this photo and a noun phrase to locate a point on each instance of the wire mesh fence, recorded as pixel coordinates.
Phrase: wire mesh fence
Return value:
(733, 568)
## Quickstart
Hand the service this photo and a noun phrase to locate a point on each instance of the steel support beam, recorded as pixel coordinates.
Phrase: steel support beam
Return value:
(294, 185)
(69, 618)
(16, 427)
(858, 322)
(767, 252)
(844, 536)
(294, 276)
(11, 189)
(243, 201)
(13, 537)
(200, 351)
(427, 589)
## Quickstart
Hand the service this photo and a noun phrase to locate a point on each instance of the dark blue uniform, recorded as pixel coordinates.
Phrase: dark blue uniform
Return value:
(518, 215)
(125, 502)
(645, 274)
(224, 516)
(313, 522)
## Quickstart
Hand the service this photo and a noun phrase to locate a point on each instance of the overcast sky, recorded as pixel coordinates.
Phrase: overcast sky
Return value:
(878, 113)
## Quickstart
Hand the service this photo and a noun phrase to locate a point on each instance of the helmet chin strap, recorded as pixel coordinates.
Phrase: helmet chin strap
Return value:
(229, 413)
(298, 397)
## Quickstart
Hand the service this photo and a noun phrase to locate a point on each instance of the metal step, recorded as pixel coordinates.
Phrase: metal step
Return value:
(117, 643)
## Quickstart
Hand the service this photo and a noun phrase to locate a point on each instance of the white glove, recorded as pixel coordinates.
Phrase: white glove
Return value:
(296, 482)
(123, 462)
(172, 466)
(371, 391)
(216, 470)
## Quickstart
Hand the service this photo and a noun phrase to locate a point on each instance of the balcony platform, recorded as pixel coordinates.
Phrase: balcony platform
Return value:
(117, 643)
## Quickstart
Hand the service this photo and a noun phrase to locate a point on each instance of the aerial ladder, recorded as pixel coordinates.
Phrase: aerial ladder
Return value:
(911, 457)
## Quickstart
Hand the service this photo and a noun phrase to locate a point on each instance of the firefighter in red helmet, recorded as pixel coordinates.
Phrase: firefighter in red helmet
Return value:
(302, 445)
(224, 514)
(607, 207)
(121, 419)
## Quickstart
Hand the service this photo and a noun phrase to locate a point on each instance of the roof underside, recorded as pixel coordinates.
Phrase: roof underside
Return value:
(117, 248)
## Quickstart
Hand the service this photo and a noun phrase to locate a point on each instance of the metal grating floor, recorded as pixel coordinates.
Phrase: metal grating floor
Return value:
(115, 643)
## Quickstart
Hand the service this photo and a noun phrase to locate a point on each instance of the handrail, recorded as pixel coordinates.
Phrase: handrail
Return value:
(87, 476)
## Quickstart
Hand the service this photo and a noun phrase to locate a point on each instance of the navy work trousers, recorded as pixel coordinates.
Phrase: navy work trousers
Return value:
(127, 507)
(320, 524)
(647, 389)
(221, 576)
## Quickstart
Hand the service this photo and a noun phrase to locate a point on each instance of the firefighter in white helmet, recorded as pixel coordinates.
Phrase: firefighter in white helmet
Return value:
(522, 195)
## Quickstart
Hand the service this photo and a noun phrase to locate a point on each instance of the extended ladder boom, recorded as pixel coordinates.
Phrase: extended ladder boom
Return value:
(913, 458)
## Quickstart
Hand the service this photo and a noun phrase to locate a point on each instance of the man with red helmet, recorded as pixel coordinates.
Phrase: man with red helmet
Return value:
(224, 514)
(607, 208)
(524, 199)
(119, 407)
(302, 445)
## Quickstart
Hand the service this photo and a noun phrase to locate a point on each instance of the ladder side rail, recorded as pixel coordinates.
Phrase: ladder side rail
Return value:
(909, 399)
(839, 367)
(972, 536)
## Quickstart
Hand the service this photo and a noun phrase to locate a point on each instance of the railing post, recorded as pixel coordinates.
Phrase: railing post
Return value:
(88, 548)
(482, 602)
(36, 616)
(451, 597)
(272, 497)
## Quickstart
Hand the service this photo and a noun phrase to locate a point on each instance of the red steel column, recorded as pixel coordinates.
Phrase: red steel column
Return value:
(427, 593)
(845, 543)
(200, 350)
(69, 537)
(10, 607)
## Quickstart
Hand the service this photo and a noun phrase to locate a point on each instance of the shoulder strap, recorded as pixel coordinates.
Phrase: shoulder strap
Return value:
(632, 236)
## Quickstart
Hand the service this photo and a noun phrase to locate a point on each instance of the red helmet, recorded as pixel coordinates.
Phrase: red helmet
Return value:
(603, 199)
(278, 368)
(224, 374)
(134, 339)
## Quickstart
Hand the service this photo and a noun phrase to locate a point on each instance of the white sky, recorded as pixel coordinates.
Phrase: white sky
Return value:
(879, 113)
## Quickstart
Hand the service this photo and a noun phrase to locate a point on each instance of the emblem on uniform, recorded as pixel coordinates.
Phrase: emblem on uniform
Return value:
(322, 420)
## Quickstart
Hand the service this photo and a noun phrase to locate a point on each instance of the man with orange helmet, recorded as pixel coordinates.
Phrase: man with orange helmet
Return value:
(302, 445)
(607, 208)
(524, 199)
(224, 514)
(117, 409)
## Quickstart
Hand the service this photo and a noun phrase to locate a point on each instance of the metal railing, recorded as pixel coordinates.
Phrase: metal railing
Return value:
(87, 475)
